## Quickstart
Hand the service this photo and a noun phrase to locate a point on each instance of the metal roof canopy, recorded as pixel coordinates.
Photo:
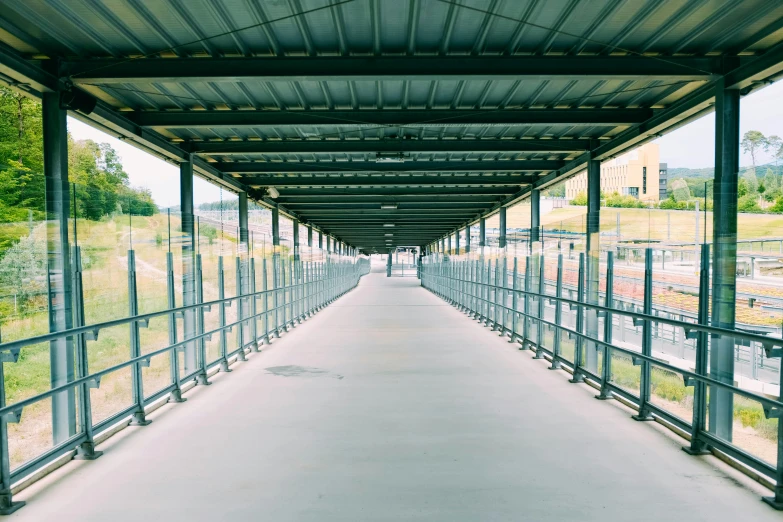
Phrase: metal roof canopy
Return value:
(481, 102)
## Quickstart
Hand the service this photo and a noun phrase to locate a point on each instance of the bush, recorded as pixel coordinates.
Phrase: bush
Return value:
(580, 199)
(777, 208)
(670, 204)
(748, 203)
(618, 201)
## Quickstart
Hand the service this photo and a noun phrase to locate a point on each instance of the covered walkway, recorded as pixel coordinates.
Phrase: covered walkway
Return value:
(392, 405)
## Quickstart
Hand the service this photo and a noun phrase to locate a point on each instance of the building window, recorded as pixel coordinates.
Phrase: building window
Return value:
(644, 180)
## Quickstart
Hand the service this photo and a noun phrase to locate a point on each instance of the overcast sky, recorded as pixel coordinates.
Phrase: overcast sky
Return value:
(692, 146)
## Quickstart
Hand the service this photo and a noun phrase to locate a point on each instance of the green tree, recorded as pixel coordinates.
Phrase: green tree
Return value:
(558, 191)
(680, 190)
(771, 185)
(21, 152)
(774, 145)
(99, 178)
(742, 187)
(753, 142)
(751, 180)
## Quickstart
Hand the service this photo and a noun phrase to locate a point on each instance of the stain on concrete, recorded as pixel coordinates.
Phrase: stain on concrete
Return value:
(301, 371)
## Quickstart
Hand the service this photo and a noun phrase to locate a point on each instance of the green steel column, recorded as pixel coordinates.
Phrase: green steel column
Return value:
(60, 286)
(482, 234)
(535, 215)
(467, 239)
(502, 234)
(276, 268)
(188, 263)
(724, 264)
(296, 239)
(593, 259)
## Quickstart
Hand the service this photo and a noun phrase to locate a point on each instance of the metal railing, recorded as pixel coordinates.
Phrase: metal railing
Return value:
(512, 302)
(298, 290)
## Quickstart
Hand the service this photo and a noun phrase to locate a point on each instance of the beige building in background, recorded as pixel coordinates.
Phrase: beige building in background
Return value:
(635, 173)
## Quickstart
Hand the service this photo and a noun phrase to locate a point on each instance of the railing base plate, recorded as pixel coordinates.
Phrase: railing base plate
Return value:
(86, 451)
(773, 502)
(696, 452)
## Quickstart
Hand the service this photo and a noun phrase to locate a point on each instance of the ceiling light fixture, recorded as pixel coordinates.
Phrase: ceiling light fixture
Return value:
(273, 193)
(388, 206)
(388, 225)
(388, 235)
(390, 157)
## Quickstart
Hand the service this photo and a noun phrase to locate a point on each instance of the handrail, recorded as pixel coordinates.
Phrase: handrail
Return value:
(657, 362)
(307, 289)
(130, 362)
(714, 330)
(71, 332)
(483, 290)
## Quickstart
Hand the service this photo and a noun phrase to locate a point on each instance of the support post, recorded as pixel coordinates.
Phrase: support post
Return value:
(310, 236)
(645, 382)
(558, 334)
(188, 264)
(176, 393)
(86, 450)
(243, 235)
(389, 264)
(578, 375)
(276, 268)
(698, 445)
(724, 264)
(502, 233)
(60, 286)
(243, 279)
(606, 369)
(137, 380)
(482, 234)
(296, 239)
(593, 259)
(467, 239)
(320, 240)
(535, 215)
(456, 246)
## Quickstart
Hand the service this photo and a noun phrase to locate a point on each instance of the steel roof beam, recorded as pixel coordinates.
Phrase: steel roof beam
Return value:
(438, 206)
(345, 167)
(386, 192)
(228, 148)
(387, 117)
(401, 201)
(392, 181)
(398, 68)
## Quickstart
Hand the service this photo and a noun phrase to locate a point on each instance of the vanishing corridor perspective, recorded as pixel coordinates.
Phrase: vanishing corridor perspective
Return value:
(391, 405)
(350, 238)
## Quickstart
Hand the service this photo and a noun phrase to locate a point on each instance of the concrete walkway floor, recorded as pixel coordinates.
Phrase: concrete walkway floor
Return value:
(390, 405)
